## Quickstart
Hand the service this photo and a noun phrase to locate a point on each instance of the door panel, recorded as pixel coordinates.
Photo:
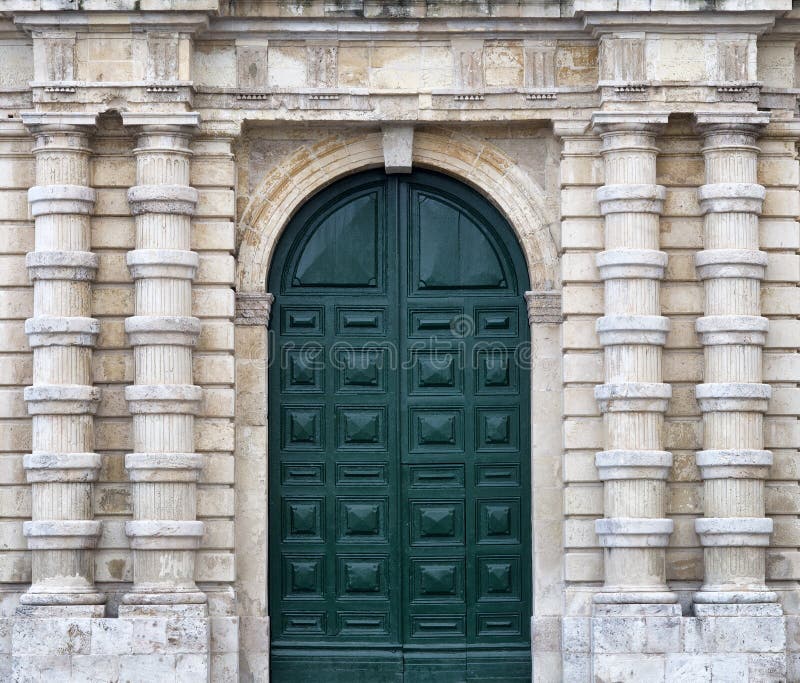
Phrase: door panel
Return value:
(399, 439)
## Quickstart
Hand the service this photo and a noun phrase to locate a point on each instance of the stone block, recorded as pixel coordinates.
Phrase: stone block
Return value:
(95, 668)
(146, 668)
(619, 668)
(576, 634)
(112, 637)
(681, 668)
(149, 635)
(736, 635)
(224, 634)
(35, 669)
(51, 636)
(187, 635)
(576, 667)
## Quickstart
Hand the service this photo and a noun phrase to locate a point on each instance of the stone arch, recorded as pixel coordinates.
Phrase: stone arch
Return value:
(471, 160)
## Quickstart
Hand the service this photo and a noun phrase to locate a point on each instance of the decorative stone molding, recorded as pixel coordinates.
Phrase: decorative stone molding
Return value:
(398, 148)
(164, 470)
(732, 398)
(544, 308)
(62, 400)
(634, 531)
(253, 308)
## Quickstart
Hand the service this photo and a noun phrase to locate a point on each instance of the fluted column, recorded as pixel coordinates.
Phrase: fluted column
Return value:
(164, 468)
(62, 401)
(633, 399)
(733, 399)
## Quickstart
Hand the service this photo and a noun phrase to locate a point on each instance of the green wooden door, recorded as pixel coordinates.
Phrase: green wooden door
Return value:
(399, 506)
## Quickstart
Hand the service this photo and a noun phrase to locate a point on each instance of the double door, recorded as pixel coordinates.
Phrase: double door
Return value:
(399, 438)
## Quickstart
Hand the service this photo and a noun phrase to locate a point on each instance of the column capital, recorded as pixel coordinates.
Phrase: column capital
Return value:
(161, 120)
(742, 122)
(254, 308)
(544, 307)
(37, 121)
(629, 121)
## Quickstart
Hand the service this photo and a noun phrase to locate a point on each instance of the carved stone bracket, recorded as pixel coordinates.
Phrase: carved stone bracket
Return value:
(544, 308)
(253, 308)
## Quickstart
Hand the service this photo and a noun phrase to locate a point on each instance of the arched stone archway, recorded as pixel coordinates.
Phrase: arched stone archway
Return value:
(476, 162)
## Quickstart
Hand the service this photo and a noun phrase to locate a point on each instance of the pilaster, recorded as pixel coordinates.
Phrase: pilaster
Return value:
(633, 399)
(733, 398)
(164, 467)
(62, 401)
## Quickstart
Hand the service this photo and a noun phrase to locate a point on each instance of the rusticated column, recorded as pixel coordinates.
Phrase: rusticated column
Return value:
(62, 400)
(164, 468)
(633, 399)
(732, 398)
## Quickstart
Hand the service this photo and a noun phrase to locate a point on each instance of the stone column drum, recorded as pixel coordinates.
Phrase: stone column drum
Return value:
(733, 399)
(62, 401)
(633, 399)
(164, 468)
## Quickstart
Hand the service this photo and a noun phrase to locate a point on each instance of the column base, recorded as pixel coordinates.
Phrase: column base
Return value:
(710, 596)
(612, 597)
(44, 599)
(61, 611)
(189, 611)
(174, 598)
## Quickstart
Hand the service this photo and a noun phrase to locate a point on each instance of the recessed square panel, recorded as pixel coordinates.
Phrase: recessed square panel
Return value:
(499, 578)
(496, 322)
(434, 372)
(498, 521)
(360, 322)
(303, 576)
(497, 429)
(361, 428)
(301, 428)
(306, 321)
(436, 322)
(363, 577)
(303, 623)
(355, 624)
(437, 523)
(437, 429)
(302, 519)
(362, 520)
(437, 580)
(438, 626)
(302, 369)
(498, 372)
(505, 624)
(360, 370)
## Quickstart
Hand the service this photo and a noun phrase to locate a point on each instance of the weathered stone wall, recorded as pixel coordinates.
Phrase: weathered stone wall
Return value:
(292, 95)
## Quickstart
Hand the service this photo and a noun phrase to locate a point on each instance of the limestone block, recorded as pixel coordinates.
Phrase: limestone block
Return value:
(15, 369)
(51, 636)
(785, 401)
(579, 467)
(213, 235)
(206, 172)
(682, 667)
(191, 668)
(781, 367)
(580, 401)
(583, 367)
(781, 203)
(16, 304)
(583, 500)
(681, 233)
(503, 64)
(113, 232)
(779, 233)
(582, 233)
(684, 498)
(582, 300)
(29, 669)
(111, 202)
(780, 300)
(619, 668)
(583, 433)
(684, 299)
(216, 336)
(583, 566)
(782, 499)
(215, 501)
(219, 469)
(15, 436)
(16, 239)
(737, 635)
(213, 368)
(113, 565)
(576, 64)
(15, 567)
(214, 64)
(213, 435)
(13, 272)
(140, 668)
(112, 268)
(212, 302)
(112, 637)
(215, 566)
(579, 202)
(114, 300)
(14, 205)
(287, 66)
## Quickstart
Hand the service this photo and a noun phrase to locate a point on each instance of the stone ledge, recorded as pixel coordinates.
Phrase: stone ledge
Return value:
(163, 398)
(632, 329)
(626, 264)
(625, 198)
(732, 329)
(724, 263)
(162, 263)
(50, 330)
(79, 266)
(164, 534)
(62, 534)
(628, 532)
(164, 466)
(172, 199)
(734, 463)
(61, 399)
(62, 467)
(633, 397)
(61, 199)
(745, 532)
(630, 464)
(733, 397)
(731, 198)
(145, 330)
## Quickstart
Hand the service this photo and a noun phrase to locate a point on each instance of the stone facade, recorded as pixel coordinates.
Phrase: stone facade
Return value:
(644, 152)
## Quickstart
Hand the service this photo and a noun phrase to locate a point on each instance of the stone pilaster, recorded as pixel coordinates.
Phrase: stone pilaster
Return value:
(733, 399)
(633, 399)
(163, 468)
(62, 401)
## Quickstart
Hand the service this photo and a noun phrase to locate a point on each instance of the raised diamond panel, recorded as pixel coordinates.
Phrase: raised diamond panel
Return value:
(499, 578)
(437, 430)
(363, 577)
(437, 523)
(302, 519)
(361, 428)
(302, 428)
(498, 521)
(361, 370)
(303, 577)
(497, 429)
(437, 580)
(362, 520)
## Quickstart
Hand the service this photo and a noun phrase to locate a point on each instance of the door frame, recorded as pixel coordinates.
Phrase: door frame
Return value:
(516, 195)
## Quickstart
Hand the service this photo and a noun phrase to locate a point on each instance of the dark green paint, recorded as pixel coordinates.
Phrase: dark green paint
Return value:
(399, 438)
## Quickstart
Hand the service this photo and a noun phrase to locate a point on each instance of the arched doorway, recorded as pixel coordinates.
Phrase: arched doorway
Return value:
(399, 505)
